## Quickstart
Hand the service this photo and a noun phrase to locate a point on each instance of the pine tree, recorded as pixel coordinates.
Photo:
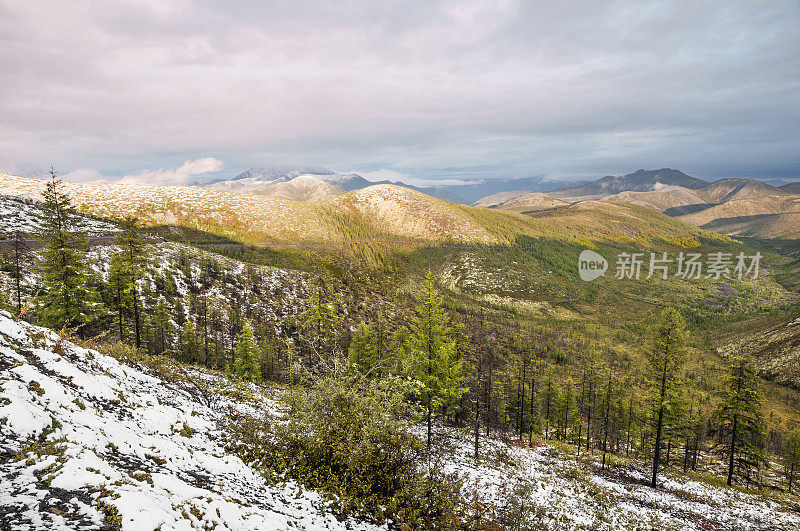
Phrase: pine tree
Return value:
(741, 419)
(433, 360)
(118, 294)
(792, 455)
(68, 299)
(246, 364)
(606, 407)
(664, 374)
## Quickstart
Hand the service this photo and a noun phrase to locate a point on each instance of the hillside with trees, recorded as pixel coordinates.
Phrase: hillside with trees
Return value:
(477, 386)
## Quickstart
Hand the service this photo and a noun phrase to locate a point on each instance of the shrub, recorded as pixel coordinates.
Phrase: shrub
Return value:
(350, 438)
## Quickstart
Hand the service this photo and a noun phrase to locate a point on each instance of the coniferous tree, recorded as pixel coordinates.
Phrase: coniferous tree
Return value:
(246, 364)
(606, 407)
(741, 419)
(568, 407)
(433, 360)
(119, 296)
(129, 266)
(269, 356)
(548, 398)
(664, 375)
(189, 346)
(164, 330)
(19, 251)
(319, 321)
(792, 456)
(68, 299)
(364, 352)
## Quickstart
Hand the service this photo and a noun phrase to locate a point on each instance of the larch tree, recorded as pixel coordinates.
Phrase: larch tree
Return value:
(664, 375)
(792, 456)
(568, 407)
(246, 364)
(19, 251)
(433, 361)
(364, 353)
(320, 321)
(128, 268)
(68, 299)
(190, 349)
(164, 329)
(741, 419)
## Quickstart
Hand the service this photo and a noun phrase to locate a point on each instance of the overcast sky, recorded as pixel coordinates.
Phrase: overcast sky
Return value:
(174, 90)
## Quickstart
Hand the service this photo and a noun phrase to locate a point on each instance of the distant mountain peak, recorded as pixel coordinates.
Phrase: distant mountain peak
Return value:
(281, 173)
(639, 181)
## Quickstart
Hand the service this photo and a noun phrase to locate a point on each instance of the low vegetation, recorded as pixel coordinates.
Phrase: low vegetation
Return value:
(376, 350)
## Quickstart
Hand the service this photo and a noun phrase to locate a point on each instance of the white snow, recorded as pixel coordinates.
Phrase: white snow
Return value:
(566, 493)
(107, 437)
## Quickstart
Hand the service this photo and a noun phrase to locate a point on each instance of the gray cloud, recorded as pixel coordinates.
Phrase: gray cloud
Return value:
(451, 90)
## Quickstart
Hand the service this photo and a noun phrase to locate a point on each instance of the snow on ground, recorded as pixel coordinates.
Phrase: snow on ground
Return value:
(25, 215)
(561, 492)
(86, 441)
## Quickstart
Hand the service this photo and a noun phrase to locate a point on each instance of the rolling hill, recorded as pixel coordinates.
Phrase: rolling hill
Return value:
(26, 216)
(741, 208)
(256, 180)
(662, 199)
(520, 200)
(301, 188)
(773, 342)
(736, 207)
(792, 188)
(731, 189)
(378, 212)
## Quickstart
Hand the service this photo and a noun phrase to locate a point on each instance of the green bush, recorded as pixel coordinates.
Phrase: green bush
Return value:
(350, 438)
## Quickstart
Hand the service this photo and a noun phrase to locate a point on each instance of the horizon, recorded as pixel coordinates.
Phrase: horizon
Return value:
(384, 178)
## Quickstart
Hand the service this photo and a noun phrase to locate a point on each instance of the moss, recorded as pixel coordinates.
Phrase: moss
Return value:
(111, 517)
(159, 460)
(34, 386)
(185, 431)
(142, 477)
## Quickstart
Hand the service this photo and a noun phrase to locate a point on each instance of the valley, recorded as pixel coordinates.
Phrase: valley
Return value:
(332, 289)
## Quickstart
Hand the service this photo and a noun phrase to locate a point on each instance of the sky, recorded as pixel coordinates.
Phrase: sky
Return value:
(170, 91)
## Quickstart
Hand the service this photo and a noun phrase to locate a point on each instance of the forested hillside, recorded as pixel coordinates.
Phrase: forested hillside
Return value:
(434, 385)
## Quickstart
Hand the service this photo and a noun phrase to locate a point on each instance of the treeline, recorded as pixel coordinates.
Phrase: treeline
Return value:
(470, 370)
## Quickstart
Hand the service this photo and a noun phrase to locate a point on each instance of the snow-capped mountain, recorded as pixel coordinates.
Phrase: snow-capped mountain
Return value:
(258, 178)
(255, 180)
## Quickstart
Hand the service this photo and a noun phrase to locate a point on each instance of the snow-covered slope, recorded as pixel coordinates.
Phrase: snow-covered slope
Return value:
(25, 215)
(255, 179)
(549, 489)
(86, 441)
(302, 188)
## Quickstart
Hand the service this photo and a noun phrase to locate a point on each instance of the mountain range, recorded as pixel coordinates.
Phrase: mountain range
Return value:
(301, 203)
(737, 207)
(258, 180)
